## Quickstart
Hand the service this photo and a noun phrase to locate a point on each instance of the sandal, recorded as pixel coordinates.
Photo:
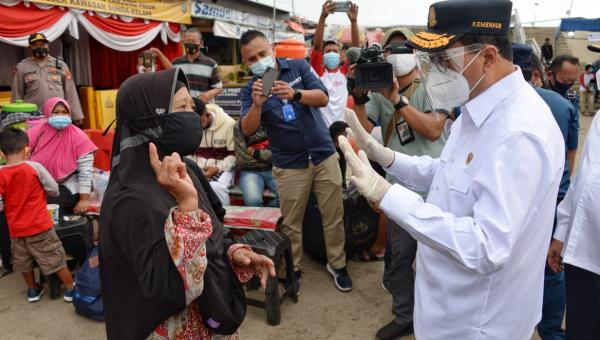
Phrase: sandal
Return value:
(372, 257)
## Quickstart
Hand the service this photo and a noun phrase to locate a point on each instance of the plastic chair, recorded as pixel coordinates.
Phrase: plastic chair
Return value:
(277, 247)
(104, 144)
(77, 239)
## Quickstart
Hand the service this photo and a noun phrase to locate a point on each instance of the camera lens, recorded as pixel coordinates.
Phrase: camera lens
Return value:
(374, 75)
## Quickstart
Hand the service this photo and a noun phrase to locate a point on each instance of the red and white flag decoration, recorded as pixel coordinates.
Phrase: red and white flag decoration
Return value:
(19, 19)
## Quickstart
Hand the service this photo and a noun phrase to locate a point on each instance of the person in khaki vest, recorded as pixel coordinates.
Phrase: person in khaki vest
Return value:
(41, 77)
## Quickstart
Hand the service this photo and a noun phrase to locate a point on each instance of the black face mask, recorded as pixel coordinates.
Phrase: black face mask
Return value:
(560, 88)
(191, 48)
(40, 52)
(182, 133)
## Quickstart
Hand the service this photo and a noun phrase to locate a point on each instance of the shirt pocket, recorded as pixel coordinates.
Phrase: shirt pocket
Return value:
(54, 80)
(32, 81)
(458, 181)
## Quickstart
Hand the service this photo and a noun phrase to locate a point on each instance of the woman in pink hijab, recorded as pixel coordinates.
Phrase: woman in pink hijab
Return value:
(68, 155)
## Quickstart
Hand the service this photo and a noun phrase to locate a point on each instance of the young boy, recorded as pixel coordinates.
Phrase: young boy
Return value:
(22, 197)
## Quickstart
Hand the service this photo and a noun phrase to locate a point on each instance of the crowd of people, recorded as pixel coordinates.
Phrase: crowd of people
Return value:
(467, 157)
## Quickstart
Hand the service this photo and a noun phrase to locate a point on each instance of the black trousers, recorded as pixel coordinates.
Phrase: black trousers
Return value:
(66, 201)
(5, 251)
(583, 304)
(398, 274)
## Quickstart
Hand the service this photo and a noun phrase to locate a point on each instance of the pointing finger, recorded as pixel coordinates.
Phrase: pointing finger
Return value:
(154, 161)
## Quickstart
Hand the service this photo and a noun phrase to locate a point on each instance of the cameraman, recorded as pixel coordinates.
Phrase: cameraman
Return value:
(326, 60)
(405, 109)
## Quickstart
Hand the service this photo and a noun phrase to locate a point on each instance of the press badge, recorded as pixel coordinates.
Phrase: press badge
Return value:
(405, 133)
(288, 112)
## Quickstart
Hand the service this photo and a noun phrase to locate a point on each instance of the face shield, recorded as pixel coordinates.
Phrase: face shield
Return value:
(442, 75)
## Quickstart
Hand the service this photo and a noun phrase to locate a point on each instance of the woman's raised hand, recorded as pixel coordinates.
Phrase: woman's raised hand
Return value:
(172, 175)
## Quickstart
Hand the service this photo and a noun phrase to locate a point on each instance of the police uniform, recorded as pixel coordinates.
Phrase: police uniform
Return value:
(483, 230)
(35, 82)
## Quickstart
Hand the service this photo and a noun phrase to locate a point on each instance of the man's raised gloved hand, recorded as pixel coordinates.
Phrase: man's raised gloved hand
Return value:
(374, 150)
(368, 182)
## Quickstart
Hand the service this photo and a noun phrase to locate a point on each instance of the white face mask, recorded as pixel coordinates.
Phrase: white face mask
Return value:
(403, 63)
(448, 89)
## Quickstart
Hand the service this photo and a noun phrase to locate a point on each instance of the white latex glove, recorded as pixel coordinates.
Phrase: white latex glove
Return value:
(375, 151)
(367, 181)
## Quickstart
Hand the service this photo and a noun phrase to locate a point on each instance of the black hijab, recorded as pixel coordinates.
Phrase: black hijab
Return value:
(141, 286)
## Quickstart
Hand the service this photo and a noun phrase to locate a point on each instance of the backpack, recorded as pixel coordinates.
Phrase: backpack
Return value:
(87, 298)
(360, 226)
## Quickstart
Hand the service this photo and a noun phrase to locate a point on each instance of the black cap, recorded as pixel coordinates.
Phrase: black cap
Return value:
(449, 20)
(37, 36)
(522, 55)
(594, 48)
(200, 105)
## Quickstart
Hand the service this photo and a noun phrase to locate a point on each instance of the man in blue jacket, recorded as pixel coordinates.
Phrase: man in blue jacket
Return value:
(304, 158)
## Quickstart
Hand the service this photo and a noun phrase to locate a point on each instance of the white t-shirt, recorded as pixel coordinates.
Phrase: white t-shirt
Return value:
(335, 83)
(587, 77)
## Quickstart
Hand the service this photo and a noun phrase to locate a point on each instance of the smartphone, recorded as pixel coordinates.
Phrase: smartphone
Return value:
(268, 80)
(341, 6)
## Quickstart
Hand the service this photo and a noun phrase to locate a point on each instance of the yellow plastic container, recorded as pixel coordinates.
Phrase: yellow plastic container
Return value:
(106, 104)
(88, 105)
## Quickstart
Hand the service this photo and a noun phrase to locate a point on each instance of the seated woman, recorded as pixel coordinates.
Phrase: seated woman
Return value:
(68, 155)
(159, 234)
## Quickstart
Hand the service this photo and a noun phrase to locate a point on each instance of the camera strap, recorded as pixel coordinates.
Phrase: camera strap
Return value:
(396, 115)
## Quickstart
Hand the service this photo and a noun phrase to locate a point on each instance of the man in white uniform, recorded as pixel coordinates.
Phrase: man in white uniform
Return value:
(577, 240)
(483, 231)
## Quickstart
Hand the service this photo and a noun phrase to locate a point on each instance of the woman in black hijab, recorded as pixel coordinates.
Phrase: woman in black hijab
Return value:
(158, 229)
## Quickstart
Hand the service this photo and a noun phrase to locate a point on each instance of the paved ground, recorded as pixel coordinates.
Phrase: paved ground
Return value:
(322, 313)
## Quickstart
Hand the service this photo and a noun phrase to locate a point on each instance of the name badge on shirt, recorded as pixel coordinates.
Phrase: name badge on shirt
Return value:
(288, 112)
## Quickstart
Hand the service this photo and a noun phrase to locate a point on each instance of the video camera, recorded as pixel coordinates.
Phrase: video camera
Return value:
(372, 70)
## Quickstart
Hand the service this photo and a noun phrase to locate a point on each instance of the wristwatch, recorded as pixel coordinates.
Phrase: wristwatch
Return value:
(402, 103)
(297, 95)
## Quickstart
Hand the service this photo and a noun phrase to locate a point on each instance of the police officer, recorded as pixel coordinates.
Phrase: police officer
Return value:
(41, 77)
(483, 230)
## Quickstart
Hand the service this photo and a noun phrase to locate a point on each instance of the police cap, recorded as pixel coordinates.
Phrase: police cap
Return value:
(449, 20)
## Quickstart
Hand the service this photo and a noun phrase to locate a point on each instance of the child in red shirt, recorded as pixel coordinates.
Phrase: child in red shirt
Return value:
(22, 197)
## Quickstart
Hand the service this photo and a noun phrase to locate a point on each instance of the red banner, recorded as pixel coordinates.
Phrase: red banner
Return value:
(18, 20)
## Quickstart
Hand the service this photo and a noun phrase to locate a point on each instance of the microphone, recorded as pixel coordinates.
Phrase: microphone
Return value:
(353, 54)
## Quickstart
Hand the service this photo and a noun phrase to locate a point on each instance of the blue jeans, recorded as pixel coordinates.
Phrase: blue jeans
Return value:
(253, 184)
(554, 303)
(553, 309)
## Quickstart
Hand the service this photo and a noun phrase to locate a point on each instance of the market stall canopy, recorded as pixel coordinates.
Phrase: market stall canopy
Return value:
(295, 26)
(19, 19)
(230, 23)
(235, 31)
(579, 24)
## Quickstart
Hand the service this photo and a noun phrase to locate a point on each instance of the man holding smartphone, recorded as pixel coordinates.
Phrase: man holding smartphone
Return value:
(326, 60)
(304, 158)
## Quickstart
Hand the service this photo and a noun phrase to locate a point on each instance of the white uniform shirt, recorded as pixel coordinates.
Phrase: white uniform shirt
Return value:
(578, 215)
(483, 234)
(335, 83)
